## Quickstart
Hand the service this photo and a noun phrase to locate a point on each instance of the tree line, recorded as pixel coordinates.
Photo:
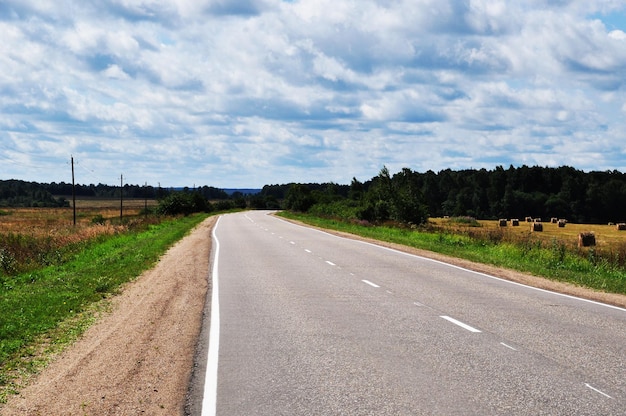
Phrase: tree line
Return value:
(406, 196)
(515, 192)
(18, 193)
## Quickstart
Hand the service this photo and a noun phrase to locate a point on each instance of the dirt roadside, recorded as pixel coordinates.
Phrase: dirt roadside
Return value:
(137, 360)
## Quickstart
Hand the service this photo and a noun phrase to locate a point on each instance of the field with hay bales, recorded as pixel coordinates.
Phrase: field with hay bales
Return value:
(608, 237)
(603, 244)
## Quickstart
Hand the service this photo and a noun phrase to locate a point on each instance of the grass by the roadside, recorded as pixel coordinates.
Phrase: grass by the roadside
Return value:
(548, 259)
(34, 305)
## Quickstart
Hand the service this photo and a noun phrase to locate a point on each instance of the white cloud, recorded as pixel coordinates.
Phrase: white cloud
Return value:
(114, 71)
(245, 93)
(617, 35)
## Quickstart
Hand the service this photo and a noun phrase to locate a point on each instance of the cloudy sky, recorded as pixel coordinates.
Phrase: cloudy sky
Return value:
(244, 93)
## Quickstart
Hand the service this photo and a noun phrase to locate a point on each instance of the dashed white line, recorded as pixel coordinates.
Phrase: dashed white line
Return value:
(459, 323)
(331, 263)
(508, 346)
(293, 243)
(369, 283)
(597, 391)
(307, 250)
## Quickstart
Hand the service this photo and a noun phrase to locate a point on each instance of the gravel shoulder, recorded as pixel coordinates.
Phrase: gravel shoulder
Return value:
(138, 358)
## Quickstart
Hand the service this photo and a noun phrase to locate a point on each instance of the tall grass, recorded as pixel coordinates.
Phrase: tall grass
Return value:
(554, 259)
(23, 252)
(32, 238)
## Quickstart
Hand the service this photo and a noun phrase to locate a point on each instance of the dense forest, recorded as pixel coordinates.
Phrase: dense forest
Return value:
(15, 193)
(409, 196)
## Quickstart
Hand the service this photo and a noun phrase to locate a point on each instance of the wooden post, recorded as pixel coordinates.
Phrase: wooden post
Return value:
(73, 192)
(121, 197)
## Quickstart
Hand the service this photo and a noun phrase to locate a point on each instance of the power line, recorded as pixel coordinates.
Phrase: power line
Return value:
(22, 164)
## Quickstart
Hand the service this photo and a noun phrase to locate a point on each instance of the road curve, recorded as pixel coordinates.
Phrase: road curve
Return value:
(312, 323)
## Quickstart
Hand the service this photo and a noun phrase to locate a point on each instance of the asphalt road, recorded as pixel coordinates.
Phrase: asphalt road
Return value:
(314, 324)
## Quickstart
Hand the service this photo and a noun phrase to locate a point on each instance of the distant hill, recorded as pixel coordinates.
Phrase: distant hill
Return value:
(244, 191)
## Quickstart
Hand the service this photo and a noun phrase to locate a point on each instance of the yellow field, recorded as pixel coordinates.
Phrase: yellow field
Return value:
(607, 236)
(43, 221)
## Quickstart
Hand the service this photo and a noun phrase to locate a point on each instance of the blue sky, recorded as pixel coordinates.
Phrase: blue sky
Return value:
(245, 93)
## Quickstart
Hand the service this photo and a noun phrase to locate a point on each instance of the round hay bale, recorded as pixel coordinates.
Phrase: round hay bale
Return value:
(537, 226)
(529, 219)
(586, 239)
(515, 222)
(554, 220)
(621, 226)
(561, 223)
(502, 222)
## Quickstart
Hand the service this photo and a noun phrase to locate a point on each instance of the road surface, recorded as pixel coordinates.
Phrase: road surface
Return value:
(315, 324)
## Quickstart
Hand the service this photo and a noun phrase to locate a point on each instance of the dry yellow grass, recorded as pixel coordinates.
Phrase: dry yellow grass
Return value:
(33, 237)
(39, 222)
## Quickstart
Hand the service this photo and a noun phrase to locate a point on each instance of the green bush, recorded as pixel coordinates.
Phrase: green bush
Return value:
(224, 205)
(184, 203)
(98, 219)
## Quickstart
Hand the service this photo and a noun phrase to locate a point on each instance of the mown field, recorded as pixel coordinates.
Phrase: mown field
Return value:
(42, 220)
(607, 237)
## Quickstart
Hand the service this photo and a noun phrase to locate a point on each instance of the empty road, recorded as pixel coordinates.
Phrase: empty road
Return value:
(307, 323)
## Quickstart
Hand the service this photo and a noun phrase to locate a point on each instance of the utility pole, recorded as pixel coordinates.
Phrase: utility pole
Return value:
(121, 197)
(73, 192)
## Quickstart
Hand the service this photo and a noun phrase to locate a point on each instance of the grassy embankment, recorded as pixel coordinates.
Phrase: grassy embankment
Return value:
(553, 254)
(43, 310)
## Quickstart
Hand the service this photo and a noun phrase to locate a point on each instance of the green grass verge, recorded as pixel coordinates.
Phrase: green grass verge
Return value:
(51, 307)
(552, 261)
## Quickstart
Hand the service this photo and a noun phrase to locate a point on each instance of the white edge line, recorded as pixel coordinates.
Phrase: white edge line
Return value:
(459, 267)
(597, 391)
(209, 400)
(459, 323)
(369, 283)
